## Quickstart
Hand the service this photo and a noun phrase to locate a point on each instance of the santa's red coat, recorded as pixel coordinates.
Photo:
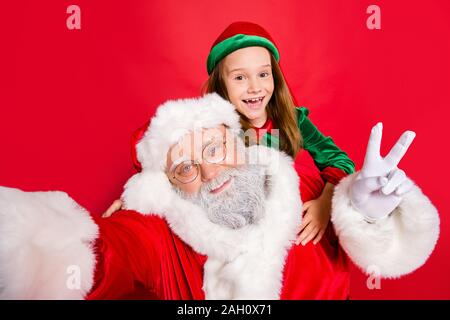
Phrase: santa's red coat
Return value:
(138, 256)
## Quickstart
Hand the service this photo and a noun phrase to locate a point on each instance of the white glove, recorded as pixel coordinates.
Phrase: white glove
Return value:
(378, 188)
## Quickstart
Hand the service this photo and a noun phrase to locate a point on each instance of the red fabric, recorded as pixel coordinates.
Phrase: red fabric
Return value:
(333, 175)
(315, 271)
(243, 27)
(135, 138)
(329, 174)
(140, 257)
(266, 128)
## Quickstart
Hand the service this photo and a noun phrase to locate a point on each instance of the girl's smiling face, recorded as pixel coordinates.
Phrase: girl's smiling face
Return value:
(247, 74)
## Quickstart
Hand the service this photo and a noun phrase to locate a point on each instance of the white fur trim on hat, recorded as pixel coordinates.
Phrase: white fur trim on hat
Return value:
(149, 191)
(174, 119)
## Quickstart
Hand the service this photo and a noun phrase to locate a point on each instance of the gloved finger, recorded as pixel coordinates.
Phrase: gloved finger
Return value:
(362, 188)
(399, 149)
(405, 187)
(365, 186)
(396, 178)
(373, 146)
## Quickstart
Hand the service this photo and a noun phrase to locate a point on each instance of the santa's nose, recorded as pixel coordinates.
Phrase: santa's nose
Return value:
(209, 171)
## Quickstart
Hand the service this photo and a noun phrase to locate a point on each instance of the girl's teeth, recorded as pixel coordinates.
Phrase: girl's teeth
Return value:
(253, 100)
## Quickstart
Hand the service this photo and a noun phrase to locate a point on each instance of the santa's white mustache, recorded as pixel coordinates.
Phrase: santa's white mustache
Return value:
(240, 204)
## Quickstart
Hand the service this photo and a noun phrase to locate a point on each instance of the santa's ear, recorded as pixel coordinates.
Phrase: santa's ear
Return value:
(148, 192)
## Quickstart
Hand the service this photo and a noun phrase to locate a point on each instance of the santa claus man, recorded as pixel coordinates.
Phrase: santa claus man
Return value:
(209, 218)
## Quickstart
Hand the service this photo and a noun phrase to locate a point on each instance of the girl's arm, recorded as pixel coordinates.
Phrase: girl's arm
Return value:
(333, 163)
(316, 215)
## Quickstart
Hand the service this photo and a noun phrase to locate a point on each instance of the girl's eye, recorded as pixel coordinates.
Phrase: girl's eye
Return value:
(238, 78)
(264, 74)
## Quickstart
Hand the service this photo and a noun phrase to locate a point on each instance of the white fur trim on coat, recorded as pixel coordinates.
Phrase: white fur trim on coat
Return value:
(244, 263)
(45, 244)
(148, 192)
(392, 246)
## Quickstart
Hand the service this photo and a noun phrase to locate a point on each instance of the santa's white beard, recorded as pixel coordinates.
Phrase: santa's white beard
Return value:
(240, 204)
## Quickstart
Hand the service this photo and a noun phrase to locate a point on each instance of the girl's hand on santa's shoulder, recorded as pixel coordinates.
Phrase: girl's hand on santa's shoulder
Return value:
(114, 207)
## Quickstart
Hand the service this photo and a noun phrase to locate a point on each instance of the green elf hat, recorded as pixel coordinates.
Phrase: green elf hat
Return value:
(240, 35)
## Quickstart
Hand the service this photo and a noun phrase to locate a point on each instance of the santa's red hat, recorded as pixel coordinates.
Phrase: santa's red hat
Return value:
(150, 189)
(172, 120)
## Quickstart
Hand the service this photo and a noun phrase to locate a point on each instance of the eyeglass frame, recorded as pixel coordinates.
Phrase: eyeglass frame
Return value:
(197, 163)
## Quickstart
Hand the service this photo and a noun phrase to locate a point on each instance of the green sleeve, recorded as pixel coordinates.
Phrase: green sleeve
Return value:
(323, 150)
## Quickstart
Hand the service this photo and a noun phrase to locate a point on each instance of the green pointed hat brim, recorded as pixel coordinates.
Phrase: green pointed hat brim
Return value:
(239, 41)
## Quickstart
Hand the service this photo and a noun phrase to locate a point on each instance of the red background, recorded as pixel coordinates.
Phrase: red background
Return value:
(70, 99)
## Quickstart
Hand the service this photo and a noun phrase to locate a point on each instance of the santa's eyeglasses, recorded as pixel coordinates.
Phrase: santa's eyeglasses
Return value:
(214, 153)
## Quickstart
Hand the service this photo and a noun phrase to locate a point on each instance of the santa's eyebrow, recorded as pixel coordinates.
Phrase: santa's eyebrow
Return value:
(177, 162)
(204, 145)
(185, 158)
